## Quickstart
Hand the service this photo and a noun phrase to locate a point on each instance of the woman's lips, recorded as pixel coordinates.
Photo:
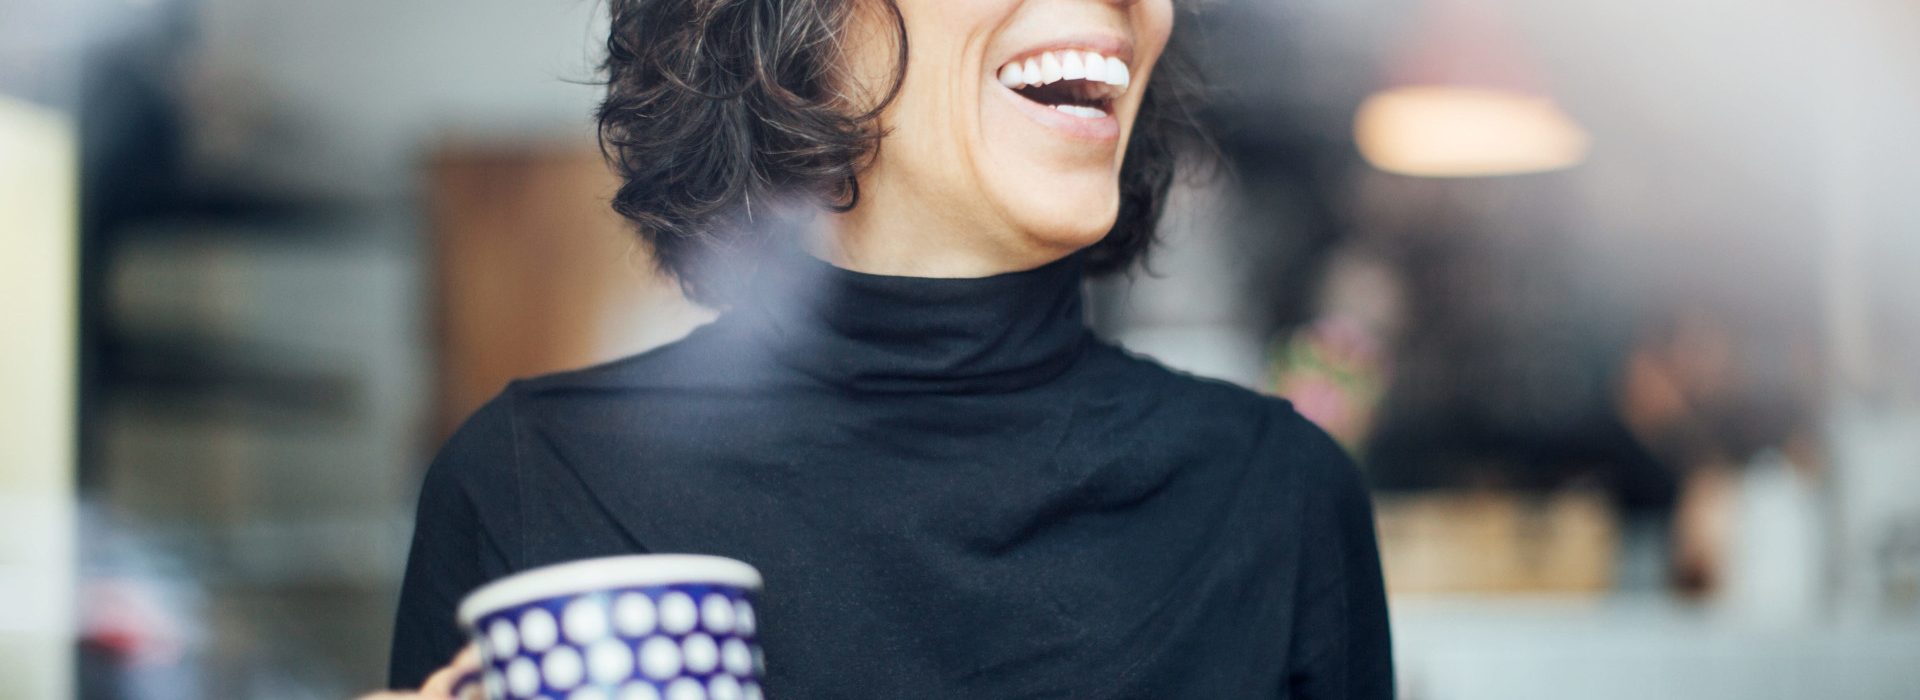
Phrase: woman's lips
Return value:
(1070, 84)
(1092, 124)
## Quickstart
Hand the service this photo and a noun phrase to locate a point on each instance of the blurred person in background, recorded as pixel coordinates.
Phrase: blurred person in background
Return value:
(900, 417)
(1724, 412)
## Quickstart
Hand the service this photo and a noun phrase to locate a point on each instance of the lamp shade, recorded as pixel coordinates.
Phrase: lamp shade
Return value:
(1464, 99)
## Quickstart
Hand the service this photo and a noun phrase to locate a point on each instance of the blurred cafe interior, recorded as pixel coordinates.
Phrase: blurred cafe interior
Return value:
(1617, 305)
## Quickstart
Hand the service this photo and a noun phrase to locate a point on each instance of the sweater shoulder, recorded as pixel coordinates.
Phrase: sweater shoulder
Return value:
(1296, 445)
(482, 450)
(1113, 362)
(486, 447)
(693, 355)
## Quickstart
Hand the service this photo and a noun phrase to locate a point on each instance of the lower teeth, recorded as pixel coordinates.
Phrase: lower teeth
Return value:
(1080, 111)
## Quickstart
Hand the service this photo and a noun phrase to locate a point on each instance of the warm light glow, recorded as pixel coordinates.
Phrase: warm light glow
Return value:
(1438, 131)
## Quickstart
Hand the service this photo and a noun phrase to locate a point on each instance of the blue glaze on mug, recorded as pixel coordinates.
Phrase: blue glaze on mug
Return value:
(683, 641)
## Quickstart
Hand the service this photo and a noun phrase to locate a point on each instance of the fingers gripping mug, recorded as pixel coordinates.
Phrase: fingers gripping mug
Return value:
(640, 627)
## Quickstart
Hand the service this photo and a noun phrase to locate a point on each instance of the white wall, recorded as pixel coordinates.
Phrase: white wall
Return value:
(37, 326)
(342, 97)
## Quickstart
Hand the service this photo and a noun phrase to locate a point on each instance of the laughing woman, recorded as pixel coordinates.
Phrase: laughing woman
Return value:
(953, 489)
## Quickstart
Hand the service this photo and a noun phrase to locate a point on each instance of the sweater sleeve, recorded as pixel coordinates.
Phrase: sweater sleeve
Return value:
(465, 528)
(1342, 646)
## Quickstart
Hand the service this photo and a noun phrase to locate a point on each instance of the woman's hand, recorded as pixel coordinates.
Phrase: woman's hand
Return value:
(439, 686)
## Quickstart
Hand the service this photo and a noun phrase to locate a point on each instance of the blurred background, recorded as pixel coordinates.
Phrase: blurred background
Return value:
(1616, 302)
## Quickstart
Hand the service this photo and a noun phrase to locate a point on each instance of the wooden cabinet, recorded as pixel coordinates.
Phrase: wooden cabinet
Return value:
(533, 272)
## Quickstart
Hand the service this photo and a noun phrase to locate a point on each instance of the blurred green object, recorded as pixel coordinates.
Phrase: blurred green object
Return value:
(1334, 371)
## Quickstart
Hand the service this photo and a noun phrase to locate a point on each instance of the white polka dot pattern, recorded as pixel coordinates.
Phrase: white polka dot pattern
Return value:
(585, 620)
(686, 689)
(537, 630)
(609, 661)
(695, 643)
(523, 678)
(734, 655)
(743, 617)
(639, 690)
(677, 613)
(716, 612)
(700, 652)
(633, 614)
(504, 641)
(723, 687)
(660, 658)
(562, 668)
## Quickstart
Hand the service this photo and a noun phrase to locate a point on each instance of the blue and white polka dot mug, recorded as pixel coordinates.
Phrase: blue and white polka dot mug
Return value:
(641, 627)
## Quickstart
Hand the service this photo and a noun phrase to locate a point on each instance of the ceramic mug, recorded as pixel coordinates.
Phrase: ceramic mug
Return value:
(638, 627)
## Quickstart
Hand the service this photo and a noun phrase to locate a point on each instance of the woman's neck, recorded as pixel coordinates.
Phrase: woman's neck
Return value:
(877, 239)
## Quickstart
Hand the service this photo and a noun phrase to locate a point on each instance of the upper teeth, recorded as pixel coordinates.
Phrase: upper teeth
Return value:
(1055, 66)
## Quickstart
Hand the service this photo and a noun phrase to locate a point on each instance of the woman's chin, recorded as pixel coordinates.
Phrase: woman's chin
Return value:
(1068, 231)
(1058, 209)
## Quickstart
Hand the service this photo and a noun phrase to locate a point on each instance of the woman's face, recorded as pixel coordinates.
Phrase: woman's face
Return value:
(1011, 120)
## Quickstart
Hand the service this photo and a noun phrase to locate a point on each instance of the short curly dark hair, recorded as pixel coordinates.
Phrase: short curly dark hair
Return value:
(716, 109)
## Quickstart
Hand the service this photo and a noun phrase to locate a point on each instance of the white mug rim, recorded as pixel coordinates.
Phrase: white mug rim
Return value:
(589, 575)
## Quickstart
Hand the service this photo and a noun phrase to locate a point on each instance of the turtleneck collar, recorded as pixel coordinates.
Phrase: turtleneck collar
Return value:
(889, 333)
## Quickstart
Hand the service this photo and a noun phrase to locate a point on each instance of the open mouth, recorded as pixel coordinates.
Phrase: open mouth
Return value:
(1078, 83)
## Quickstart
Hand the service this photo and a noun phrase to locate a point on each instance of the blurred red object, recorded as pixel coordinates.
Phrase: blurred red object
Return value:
(129, 620)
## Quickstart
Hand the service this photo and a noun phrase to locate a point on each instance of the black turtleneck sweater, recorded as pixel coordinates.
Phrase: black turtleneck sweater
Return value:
(952, 488)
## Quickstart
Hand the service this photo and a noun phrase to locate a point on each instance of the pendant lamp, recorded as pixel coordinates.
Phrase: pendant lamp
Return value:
(1464, 99)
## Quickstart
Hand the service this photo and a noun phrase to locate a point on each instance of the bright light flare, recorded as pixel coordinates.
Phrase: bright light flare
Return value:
(1446, 131)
